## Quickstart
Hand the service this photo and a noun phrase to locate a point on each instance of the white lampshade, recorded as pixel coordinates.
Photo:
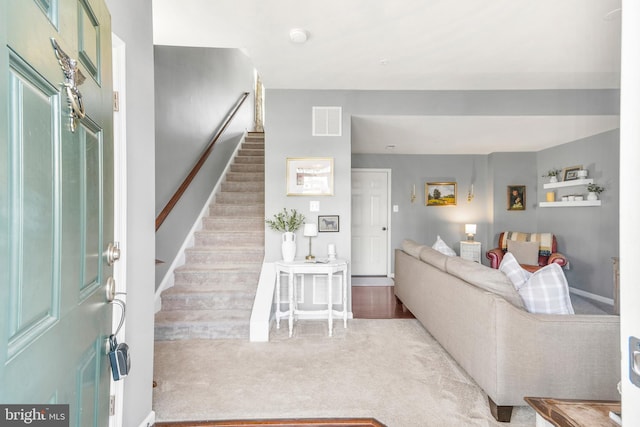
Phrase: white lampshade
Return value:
(470, 229)
(310, 230)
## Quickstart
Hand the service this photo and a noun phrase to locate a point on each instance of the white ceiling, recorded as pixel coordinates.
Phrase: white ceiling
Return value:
(420, 45)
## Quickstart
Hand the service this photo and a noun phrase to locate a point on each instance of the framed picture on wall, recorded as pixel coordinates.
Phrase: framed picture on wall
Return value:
(310, 176)
(516, 197)
(440, 193)
(328, 223)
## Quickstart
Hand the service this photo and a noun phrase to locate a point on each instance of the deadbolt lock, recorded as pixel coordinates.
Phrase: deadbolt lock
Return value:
(113, 253)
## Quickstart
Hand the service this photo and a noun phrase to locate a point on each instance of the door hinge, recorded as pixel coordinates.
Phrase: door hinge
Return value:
(116, 101)
(112, 405)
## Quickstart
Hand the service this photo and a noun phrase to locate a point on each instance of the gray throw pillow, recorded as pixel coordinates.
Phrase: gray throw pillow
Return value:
(524, 252)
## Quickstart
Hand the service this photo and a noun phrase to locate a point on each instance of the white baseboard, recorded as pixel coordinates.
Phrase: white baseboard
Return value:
(149, 421)
(261, 313)
(168, 279)
(589, 295)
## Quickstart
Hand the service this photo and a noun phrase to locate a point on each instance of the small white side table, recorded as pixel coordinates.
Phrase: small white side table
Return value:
(470, 250)
(302, 267)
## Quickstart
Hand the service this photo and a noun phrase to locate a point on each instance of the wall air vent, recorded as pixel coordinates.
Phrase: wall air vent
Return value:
(327, 121)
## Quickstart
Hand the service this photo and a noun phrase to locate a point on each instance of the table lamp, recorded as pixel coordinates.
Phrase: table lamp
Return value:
(470, 230)
(310, 230)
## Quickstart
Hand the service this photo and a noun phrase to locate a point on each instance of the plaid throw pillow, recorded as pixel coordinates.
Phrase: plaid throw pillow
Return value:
(442, 247)
(545, 291)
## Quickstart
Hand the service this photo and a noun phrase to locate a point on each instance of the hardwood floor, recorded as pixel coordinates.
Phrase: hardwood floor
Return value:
(376, 302)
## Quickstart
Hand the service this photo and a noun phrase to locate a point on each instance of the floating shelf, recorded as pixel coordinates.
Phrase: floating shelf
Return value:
(581, 203)
(572, 183)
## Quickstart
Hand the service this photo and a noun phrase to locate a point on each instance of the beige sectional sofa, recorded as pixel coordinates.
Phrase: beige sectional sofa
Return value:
(477, 316)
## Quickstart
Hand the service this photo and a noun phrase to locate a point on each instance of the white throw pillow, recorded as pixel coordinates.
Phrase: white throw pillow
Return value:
(442, 247)
(547, 291)
(510, 267)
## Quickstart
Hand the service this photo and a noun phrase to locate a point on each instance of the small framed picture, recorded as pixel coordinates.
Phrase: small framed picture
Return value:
(328, 223)
(570, 173)
(440, 193)
(516, 197)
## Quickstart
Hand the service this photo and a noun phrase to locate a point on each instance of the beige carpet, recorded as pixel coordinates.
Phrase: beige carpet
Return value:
(391, 370)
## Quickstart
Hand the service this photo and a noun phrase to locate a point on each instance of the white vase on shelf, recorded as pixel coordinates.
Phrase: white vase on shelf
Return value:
(553, 179)
(592, 196)
(288, 246)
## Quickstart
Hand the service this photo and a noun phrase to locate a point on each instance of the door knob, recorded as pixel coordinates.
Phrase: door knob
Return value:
(384, 228)
(113, 253)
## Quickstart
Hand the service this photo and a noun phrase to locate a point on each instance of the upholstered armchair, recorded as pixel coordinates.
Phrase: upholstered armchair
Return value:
(532, 250)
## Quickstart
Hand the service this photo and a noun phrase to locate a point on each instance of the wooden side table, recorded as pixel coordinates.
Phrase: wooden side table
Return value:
(573, 413)
(470, 250)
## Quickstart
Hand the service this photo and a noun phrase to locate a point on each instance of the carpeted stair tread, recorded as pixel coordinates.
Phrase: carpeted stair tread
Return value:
(198, 268)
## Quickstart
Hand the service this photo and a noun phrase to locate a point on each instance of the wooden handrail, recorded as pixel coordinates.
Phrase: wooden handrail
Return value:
(203, 158)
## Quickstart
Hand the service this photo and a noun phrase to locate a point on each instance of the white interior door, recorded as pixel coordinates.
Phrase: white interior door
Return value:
(370, 222)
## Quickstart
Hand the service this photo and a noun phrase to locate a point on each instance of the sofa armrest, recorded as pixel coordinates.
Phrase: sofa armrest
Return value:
(558, 258)
(574, 356)
(495, 257)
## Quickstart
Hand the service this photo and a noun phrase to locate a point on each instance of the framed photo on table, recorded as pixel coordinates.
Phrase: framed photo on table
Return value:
(310, 176)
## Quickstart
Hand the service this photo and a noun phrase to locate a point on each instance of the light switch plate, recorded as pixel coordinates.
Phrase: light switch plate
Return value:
(395, 208)
(314, 206)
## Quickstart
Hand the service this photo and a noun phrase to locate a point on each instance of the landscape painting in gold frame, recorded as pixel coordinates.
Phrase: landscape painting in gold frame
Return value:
(440, 193)
(310, 176)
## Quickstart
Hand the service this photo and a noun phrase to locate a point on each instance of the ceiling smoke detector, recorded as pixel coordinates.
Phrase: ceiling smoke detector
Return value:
(298, 35)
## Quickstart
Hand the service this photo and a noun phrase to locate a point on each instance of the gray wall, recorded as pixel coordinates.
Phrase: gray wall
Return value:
(589, 236)
(195, 90)
(288, 134)
(131, 22)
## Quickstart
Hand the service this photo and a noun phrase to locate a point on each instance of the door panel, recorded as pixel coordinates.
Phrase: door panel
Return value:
(369, 214)
(56, 208)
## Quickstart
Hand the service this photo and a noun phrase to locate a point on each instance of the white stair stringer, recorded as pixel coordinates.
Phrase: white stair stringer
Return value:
(213, 292)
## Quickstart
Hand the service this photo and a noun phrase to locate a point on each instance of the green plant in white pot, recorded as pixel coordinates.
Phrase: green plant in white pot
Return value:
(594, 190)
(552, 174)
(287, 222)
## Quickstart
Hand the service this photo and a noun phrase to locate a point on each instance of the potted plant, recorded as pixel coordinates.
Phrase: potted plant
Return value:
(594, 190)
(287, 222)
(552, 174)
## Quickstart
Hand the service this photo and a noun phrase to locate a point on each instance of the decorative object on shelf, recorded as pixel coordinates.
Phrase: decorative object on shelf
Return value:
(516, 197)
(594, 190)
(310, 230)
(331, 251)
(413, 194)
(287, 223)
(440, 193)
(328, 223)
(312, 176)
(470, 231)
(551, 196)
(552, 174)
(570, 173)
(583, 173)
(470, 194)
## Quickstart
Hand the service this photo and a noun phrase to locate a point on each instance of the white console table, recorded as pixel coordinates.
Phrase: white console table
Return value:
(301, 267)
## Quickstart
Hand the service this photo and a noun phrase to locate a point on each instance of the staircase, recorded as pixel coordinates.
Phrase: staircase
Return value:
(213, 291)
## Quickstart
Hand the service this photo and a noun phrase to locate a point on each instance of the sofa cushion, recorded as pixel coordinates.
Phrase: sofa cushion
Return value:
(486, 278)
(547, 291)
(433, 257)
(516, 274)
(412, 248)
(524, 252)
(442, 247)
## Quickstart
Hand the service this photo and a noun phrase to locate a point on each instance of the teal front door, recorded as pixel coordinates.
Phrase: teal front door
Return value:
(56, 205)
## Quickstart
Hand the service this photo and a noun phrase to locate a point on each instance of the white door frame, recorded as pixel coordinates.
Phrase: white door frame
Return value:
(120, 211)
(387, 171)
